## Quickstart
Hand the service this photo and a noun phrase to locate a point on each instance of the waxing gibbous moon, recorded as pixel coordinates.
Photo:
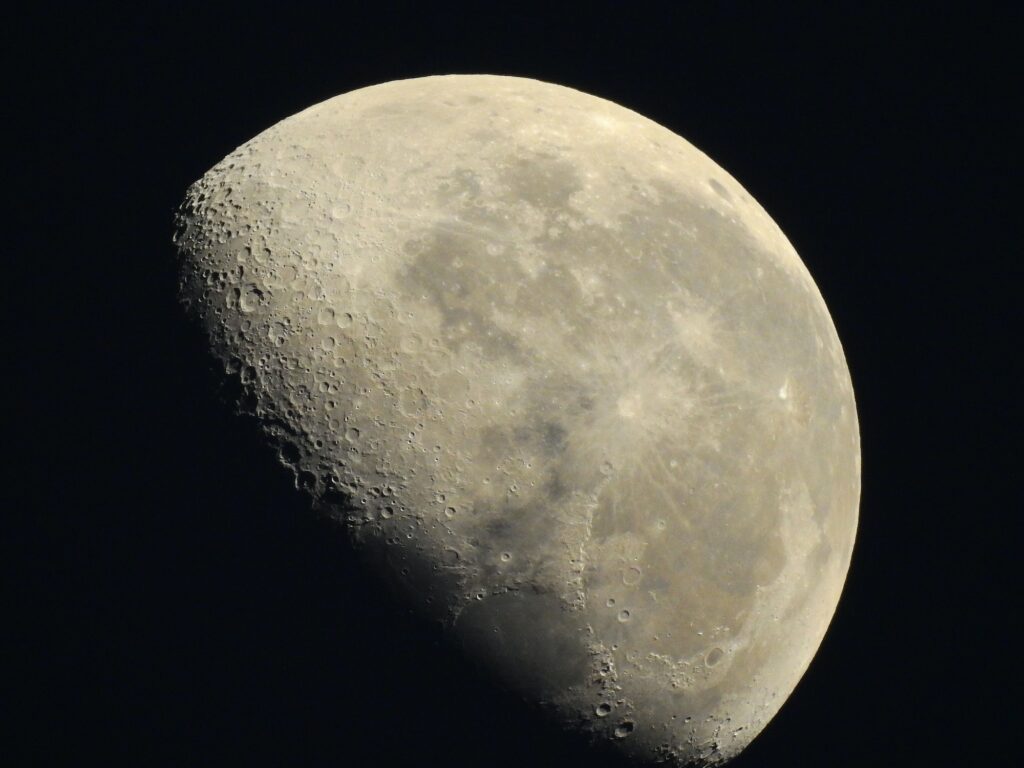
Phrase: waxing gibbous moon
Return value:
(561, 377)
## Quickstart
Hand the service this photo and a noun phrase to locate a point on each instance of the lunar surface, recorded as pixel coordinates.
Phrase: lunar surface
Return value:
(558, 375)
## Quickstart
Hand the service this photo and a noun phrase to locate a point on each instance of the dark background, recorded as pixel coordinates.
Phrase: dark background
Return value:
(176, 604)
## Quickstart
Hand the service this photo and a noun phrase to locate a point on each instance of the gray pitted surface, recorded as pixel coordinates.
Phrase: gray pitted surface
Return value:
(562, 376)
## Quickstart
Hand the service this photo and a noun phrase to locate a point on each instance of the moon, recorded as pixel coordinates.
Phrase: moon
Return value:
(560, 377)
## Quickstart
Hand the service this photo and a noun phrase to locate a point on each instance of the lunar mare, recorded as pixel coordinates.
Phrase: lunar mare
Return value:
(559, 376)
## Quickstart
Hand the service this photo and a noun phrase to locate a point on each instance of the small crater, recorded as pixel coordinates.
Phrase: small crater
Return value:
(277, 333)
(290, 454)
(603, 710)
(412, 344)
(624, 616)
(451, 556)
(623, 729)
(719, 189)
(631, 576)
(249, 298)
(306, 481)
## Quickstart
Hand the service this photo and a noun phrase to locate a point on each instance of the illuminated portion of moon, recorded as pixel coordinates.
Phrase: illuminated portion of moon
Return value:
(561, 377)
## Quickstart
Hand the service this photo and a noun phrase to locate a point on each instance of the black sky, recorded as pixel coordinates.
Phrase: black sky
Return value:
(174, 604)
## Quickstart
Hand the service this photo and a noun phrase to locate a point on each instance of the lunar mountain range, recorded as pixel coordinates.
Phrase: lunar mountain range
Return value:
(562, 380)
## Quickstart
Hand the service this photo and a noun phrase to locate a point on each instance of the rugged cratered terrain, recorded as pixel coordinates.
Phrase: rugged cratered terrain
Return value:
(560, 376)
